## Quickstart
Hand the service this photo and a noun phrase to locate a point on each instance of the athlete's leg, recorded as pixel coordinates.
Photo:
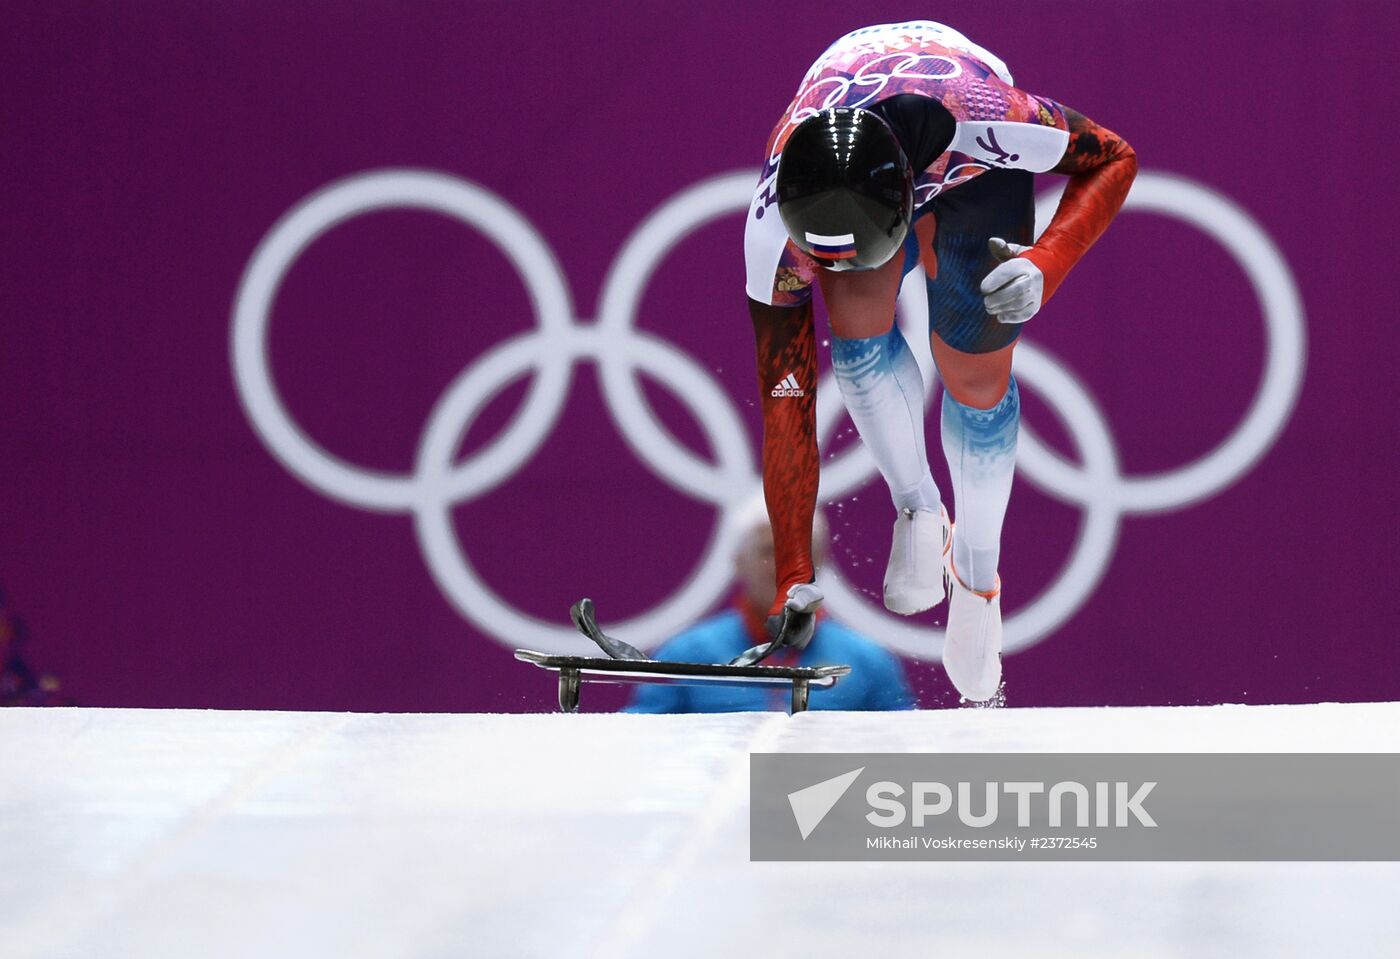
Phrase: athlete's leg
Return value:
(974, 379)
(981, 406)
(879, 378)
(980, 414)
(979, 425)
(883, 391)
(979, 443)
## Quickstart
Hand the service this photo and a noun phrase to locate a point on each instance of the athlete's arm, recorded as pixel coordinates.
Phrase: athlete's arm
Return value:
(786, 345)
(1101, 167)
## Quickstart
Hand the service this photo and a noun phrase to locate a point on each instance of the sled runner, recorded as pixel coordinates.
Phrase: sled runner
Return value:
(626, 664)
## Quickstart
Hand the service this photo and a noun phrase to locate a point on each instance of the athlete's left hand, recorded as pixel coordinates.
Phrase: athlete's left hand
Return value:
(1013, 290)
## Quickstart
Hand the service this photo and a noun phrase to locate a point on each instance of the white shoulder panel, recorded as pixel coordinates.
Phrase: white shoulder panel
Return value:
(1008, 144)
(765, 238)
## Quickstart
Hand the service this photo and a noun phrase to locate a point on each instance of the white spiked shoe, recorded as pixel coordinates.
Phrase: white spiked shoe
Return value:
(918, 553)
(972, 646)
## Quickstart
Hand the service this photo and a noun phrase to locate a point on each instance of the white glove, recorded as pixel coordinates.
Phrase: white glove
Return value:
(1013, 289)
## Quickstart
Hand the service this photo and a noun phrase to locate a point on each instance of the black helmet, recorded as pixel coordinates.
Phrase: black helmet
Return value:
(845, 189)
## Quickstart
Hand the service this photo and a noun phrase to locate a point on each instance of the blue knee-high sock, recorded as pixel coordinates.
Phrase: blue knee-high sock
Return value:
(980, 446)
(884, 393)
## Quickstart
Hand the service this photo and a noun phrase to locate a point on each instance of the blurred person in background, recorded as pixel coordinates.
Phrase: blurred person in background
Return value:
(877, 679)
(21, 684)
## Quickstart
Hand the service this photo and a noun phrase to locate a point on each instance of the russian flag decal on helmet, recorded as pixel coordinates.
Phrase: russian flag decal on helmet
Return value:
(842, 247)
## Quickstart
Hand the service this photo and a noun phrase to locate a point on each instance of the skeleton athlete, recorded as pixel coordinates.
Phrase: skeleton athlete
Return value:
(908, 144)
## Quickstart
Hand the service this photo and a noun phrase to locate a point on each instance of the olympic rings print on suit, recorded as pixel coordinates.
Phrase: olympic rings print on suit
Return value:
(560, 341)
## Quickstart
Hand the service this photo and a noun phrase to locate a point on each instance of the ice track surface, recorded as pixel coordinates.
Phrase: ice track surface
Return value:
(182, 833)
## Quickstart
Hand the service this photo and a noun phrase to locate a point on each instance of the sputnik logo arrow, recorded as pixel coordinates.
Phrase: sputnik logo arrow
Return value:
(810, 805)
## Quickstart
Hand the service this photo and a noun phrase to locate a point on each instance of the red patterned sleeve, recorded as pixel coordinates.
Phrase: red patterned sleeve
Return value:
(1101, 167)
(785, 340)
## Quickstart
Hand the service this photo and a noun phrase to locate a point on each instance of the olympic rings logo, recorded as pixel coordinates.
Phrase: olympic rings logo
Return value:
(816, 95)
(613, 343)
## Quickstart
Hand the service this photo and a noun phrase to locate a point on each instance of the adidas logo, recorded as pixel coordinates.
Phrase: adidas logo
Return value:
(788, 387)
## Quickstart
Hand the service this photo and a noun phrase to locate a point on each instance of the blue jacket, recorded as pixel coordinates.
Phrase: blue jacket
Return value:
(876, 680)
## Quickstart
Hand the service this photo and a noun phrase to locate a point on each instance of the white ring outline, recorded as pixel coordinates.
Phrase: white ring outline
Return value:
(297, 230)
(1285, 358)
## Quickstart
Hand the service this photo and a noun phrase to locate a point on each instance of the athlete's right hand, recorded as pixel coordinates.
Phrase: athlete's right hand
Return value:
(792, 627)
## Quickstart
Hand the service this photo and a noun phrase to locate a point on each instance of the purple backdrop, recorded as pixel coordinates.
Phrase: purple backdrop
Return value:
(164, 557)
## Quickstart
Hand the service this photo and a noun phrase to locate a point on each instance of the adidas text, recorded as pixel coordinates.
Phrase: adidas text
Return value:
(788, 387)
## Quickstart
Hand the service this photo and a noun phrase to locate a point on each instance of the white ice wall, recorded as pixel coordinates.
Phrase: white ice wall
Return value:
(129, 833)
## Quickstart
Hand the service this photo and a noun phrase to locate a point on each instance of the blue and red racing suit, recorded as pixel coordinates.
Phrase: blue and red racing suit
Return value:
(998, 127)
